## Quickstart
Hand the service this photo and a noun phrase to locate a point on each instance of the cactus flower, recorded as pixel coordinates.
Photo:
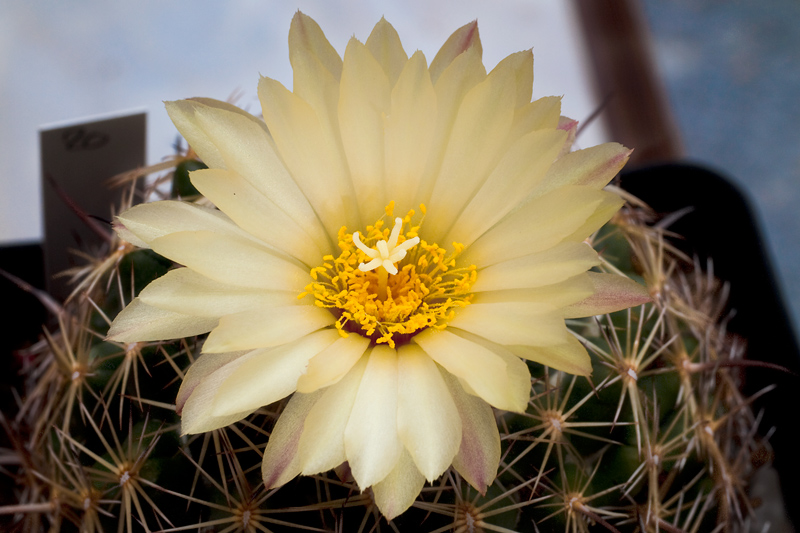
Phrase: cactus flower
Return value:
(390, 245)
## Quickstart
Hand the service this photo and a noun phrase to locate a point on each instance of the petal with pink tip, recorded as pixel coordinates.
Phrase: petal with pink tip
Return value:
(612, 292)
(395, 493)
(591, 167)
(202, 368)
(464, 38)
(479, 453)
(281, 462)
(197, 411)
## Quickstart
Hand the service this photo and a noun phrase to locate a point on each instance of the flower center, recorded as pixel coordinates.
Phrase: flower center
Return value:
(388, 285)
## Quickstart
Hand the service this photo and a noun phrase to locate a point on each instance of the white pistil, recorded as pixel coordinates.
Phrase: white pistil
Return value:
(388, 252)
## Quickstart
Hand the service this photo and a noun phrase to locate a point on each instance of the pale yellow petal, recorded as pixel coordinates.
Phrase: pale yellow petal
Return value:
(151, 221)
(409, 131)
(608, 207)
(521, 64)
(197, 411)
(543, 113)
(194, 421)
(307, 42)
(385, 46)
(533, 323)
(264, 327)
(312, 153)
(322, 444)
(571, 127)
(475, 145)
(464, 38)
(515, 177)
(220, 104)
(570, 357)
(231, 260)
(518, 388)
(428, 422)
(140, 322)
(182, 114)
(370, 438)
(365, 96)
(479, 453)
(538, 269)
(591, 167)
(611, 293)
(317, 68)
(557, 295)
(268, 375)
(333, 363)
(484, 371)
(185, 291)
(281, 461)
(203, 367)
(395, 493)
(127, 235)
(249, 151)
(458, 78)
(538, 225)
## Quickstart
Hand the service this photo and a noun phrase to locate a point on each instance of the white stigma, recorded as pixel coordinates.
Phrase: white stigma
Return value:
(388, 252)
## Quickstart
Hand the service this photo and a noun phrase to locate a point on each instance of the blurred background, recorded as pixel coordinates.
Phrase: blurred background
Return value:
(720, 79)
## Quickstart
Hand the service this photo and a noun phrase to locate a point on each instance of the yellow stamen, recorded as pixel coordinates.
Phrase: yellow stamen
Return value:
(389, 286)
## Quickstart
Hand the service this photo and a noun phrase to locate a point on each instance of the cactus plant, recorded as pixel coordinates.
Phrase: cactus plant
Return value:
(656, 437)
